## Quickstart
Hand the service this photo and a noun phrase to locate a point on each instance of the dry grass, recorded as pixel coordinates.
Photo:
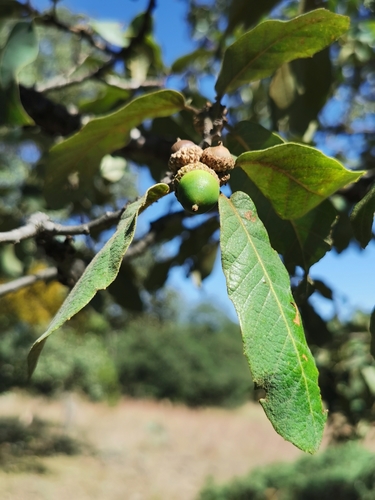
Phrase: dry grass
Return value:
(144, 450)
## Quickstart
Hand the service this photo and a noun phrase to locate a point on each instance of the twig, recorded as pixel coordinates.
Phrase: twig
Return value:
(50, 19)
(44, 275)
(52, 117)
(88, 33)
(210, 122)
(40, 223)
(138, 247)
(132, 85)
(63, 82)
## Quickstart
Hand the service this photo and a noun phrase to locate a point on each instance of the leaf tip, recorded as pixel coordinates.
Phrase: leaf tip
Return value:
(33, 357)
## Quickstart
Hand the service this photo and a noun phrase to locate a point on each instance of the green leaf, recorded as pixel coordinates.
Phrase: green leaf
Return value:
(182, 63)
(294, 177)
(309, 239)
(299, 90)
(194, 249)
(12, 112)
(83, 151)
(258, 53)
(106, 101)
(248, 136)
(10, 8)
(125, 289)
(247, 12)
(274, 343)
(302, 242)
(372, 332)
(20, 50)
(111, 31)
(362, 218)
(342, 232)
(101, 271)
(316, 330)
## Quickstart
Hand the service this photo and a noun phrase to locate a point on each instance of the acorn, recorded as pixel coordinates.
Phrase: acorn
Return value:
(183, 153)
(197, 188)
(218, 158)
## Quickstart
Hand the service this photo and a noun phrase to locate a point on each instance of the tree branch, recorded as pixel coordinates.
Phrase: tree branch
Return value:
(50, 19)
(63, 82)
(87, 33)
(43, 275)
(40, 223)
(55, 118)
(138, 247)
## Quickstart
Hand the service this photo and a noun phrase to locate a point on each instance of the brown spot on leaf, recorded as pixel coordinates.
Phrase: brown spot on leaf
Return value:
(304, 357)
(297, 319)
(250, 216)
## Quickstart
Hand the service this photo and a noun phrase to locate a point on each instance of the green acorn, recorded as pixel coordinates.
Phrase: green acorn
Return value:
(197, 187)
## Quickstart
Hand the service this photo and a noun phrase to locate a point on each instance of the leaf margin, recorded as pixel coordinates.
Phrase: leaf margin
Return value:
(153, 194)
(313, 447)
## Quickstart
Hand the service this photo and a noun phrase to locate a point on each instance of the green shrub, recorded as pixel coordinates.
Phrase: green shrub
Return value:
(22, 445)
(193, 364)
(73, 362)
(343, 472)
(197, 366)
(77, 363)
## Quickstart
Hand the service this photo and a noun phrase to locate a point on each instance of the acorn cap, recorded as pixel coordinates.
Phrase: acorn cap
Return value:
(218, 158)
(193, 166)
(186, 152)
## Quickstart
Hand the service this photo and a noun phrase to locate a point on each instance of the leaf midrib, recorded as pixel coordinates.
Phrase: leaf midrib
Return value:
(287, 174)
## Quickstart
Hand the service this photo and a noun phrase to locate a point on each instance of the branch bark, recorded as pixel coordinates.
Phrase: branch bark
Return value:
(40, 220)
(44, 275)
(40, 223)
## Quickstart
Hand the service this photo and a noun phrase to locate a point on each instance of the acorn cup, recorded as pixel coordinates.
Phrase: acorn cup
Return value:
(218, 158)
(184, 152)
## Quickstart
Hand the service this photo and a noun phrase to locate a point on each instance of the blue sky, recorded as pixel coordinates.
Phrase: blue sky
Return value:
(350, 274)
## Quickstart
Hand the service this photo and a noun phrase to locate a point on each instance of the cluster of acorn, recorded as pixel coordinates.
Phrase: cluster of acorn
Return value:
(199, 173)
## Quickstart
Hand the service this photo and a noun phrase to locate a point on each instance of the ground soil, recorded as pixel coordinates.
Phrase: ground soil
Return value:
(141, 450)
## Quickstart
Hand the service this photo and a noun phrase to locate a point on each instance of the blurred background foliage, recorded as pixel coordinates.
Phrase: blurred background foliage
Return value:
(134, 338)
(198, 361)
(346, 472)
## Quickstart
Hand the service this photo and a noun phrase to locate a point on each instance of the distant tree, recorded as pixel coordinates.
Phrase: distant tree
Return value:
(82, 102)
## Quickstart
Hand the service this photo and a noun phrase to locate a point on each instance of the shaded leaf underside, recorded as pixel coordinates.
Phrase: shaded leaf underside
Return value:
(362, 218)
